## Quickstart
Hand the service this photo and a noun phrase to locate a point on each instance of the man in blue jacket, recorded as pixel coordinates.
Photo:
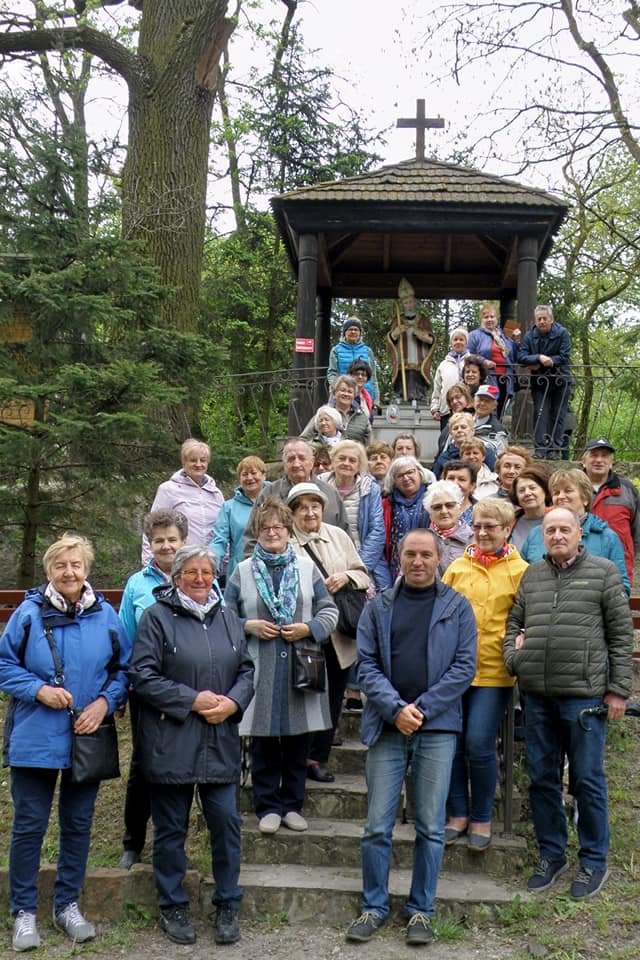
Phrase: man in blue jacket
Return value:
(546, 350)
(416, 657)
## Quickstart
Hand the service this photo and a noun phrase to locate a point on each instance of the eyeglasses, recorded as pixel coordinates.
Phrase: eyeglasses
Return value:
(450, 505)
(273, 528)
(407, 473)
(489, 527)
(194, 574)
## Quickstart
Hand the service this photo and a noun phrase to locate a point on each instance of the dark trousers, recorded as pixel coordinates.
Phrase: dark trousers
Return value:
(32, 790)
(549, 412)
(137, 804)
(279, 773)
(322, 740)
(170, 806)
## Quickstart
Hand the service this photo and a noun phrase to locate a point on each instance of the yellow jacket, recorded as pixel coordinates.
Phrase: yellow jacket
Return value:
(490, 591)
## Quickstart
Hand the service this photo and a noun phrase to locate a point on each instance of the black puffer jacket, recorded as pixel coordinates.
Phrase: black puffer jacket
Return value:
(578, 630)
(175, 657)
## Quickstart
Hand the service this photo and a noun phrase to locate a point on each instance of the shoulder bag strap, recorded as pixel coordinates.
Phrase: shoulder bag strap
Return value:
(316, 559)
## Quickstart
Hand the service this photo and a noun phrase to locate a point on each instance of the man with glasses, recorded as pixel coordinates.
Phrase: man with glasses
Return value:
(546, 350)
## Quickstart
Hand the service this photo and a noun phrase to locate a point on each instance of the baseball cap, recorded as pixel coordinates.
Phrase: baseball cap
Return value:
(600, 443)
(487, 390)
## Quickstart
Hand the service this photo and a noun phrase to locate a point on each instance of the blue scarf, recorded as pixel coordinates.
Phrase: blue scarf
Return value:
(407, 514)
(281, 604)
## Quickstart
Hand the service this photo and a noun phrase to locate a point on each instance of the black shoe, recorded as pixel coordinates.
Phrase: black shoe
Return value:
(175, 923)
(419, 930)
(315, 771)
(587, 883)
(353, 703)
(363, 927)
(227, 924)
(128, 859)
(546, 874)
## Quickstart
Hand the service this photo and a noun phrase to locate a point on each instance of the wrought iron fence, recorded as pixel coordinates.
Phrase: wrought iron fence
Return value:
(253, 410)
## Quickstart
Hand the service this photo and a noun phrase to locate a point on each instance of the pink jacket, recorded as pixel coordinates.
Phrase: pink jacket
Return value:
(200, 505)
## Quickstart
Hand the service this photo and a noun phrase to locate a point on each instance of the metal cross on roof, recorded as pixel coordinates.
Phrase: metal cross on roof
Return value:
(421, 123)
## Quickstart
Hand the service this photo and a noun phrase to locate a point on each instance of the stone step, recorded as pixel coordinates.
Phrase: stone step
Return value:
(346, 798)
(349, 758)
(323, 894)
(349, 724)
(338, 842)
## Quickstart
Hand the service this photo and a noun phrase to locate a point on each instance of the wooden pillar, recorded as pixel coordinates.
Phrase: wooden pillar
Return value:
(527, 281)
(301, 400)
(508, 320)
(323, 343)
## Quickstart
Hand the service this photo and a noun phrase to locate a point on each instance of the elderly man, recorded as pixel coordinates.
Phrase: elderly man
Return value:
(416, 657)
(615, 499)
(546, 349)
(297, 459)
(403, 509)
(569, 640)
(487, 425)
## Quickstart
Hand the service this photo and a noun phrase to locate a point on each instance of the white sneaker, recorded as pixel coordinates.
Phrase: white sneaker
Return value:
(269, 823)
(295, 821)
(71, 921)
(25, 932)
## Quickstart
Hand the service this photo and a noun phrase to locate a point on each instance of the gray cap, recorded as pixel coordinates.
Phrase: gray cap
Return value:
(309, 489)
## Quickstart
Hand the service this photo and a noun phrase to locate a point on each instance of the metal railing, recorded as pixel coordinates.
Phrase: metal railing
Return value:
(255, 409)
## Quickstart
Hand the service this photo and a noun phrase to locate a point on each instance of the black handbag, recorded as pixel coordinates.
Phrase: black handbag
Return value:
(308, 667)
(94, 756)
(349, 601)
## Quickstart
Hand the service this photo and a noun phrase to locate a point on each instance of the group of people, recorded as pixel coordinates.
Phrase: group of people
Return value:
(454, 616)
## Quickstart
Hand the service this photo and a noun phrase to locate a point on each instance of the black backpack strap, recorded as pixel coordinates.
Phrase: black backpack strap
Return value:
(316, 559)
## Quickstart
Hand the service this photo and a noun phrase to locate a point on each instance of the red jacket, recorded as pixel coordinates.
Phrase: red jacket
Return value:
(618, 502)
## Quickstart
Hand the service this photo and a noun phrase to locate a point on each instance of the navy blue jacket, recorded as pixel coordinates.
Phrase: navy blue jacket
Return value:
(555, 344)
(453, 641)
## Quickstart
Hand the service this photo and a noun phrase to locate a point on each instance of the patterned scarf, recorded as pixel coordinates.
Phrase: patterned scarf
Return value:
(200, 609)
(445, 533)
(281, 605)
(407, 514)
(56, 599)
(486, 559)
(499, 341)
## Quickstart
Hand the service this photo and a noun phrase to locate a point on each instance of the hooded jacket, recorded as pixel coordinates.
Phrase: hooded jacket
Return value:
(618, 503)
(36, 735)
(490, 590)
(342, 356)
(200, 505)
(176, 655)
(228, 530)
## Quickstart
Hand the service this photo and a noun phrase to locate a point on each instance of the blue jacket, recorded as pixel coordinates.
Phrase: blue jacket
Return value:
(343, 355)
(36, 735)
(598, 538)
(556, 344)
(138, 595)
(228, 530)
(480, 342)
(453, 641)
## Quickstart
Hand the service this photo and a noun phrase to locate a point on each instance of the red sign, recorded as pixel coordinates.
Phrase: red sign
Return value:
(305, 344)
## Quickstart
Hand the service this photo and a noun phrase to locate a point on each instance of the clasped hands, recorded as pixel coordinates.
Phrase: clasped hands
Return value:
(409, 719)
(57, 698)
(213, 707)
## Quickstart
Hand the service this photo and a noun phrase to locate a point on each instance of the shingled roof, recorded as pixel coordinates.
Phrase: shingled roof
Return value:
(427, 181)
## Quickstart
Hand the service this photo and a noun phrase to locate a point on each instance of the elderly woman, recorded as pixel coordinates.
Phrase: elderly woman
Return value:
(228, 530)
(194, 677)
(362, 501)
(166, 531)
(509, 466)
(444, 500)
(573, 489)
(355, 421)
(532, 495)
(461, 430)
(350, 348)
(488, 575)
(361, 372)
(64, 649)
(476, 452)
(338, 562)
(403, 506)
(191, 491)
(459, 400)
(448, 374)
(498, 351)
(281, 598)
(379, 455)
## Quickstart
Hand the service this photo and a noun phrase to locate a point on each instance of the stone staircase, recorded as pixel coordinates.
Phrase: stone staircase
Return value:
(316, 875)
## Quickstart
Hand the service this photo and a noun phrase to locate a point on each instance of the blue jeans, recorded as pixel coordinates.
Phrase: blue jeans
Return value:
(170, 806)
(551, 728)
(32, 790)
(430, 756)
(482, 711)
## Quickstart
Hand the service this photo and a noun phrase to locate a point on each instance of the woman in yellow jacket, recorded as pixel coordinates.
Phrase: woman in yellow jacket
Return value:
(487, 574)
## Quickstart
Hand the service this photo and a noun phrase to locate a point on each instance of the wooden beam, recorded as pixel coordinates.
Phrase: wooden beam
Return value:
(386, 252)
